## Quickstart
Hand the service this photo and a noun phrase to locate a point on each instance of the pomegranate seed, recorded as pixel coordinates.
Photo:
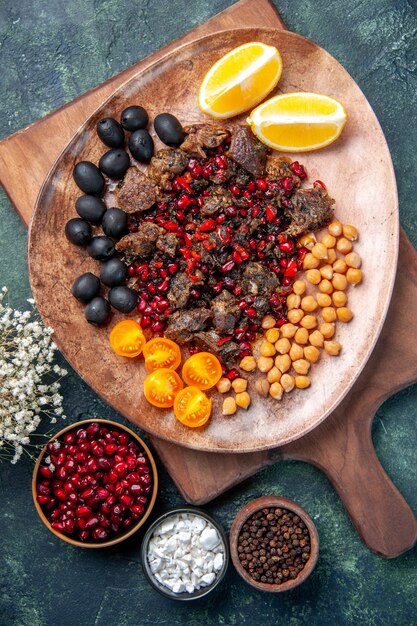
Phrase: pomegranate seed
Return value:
(136, 489)
(298, 170)
(137, 510)
(45, 471)
(220, 219)
(232, 374)
(83, 511)
(227, 267)
(236, 257)
(291, 270)
(84, 535)
(262, 184)
(286, 281)
(208, 225)
(99, 534)
(319, 183)
(145, 321)
(59, 526)
(271, 213)
(235, 190)
(81, 434)
(250, 312)
(288, 246)
(231, 211)
(69, 438)
(183, 202)
(255, 211)
(42, 499)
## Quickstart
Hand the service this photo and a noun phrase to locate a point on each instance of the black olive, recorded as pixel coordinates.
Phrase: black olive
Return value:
(97, 311)
(114, 223)
(123, 299)
(169, 129)
(133, 118)
(86, 287)
(114, 163)
(90, 208)
(101, 248)
(89, 178)
(141, 145)
(78, 231)
(113, 272)
(110, 132)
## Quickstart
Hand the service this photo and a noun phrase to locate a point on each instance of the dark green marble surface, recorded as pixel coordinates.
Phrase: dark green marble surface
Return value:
(50, 52)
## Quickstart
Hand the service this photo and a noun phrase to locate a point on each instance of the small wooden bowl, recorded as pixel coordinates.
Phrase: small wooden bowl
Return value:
(127, 533)
(277, 502)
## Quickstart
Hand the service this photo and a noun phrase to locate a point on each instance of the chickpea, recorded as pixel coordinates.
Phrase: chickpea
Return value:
(287, 382)
(326, 286)
(307, 241)
(339, 282)
(350, 232)
(332, 347)
(296, 352)
(312, 353)
(295, 315)
(276, 391)
(283, 362)
(293, 301)
(268, 322)
(353, 260)
(309, 322)
(243, 400)
(229, 406)
(309, 304)
(344, 245)
(310, 262)
(335, 228)
(326, 272)
(327, 330)
(344, 314)
(339, 298)
(265, 363)
(224, 385)
(267, 349)
(248, 364)
(353, 276)
(262, 387)
(313, 276)
(301, 366)
(302, 382)
(319, 251)
(328, 240)
(272, 335)
(332, 256)
(239, 385)
(323, 299)
(274, 375)
(316, 339)
(301, 336)
(283, 346)
(340, 266)
(329, 314)
(288, 331)
(299, 287)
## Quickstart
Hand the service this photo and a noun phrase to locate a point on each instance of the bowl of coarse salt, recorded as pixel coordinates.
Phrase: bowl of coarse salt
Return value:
(185, 554)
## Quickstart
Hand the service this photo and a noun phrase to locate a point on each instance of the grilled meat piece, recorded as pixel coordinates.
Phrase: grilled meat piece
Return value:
(312, 209)
(228, 352)
(165, 165)
(219, 198)
(248, 151)
(168, 243)
(179, 292)
(258, 280)
(136, 192)
(200, 136)
(184, 324)
(278, 168)
(141, 244)
(225, 313)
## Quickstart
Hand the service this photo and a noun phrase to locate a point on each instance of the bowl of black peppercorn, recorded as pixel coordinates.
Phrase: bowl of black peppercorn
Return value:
(274, 544)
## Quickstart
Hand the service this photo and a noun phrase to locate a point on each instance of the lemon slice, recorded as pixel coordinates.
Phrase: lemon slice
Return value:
(298, 122)
(239, 80)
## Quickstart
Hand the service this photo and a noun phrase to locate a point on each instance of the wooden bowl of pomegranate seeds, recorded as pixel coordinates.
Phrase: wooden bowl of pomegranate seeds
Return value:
(95, 483)
(274, 544)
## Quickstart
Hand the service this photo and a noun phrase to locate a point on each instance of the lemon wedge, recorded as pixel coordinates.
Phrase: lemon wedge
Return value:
(298, 122)
(240, 80)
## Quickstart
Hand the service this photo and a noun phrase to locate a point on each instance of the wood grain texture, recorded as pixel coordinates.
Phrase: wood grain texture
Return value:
(213, 473)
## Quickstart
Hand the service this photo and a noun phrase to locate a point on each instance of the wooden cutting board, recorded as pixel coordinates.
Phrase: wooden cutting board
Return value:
(341, 446)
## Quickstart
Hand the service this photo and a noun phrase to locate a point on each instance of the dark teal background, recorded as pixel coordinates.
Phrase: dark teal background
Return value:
(52, 51)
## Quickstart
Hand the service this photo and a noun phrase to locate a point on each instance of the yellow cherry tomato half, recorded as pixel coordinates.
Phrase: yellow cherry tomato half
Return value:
(202, 370)
(161, 387)
(192, 407)
(127, 338)
(160, 352)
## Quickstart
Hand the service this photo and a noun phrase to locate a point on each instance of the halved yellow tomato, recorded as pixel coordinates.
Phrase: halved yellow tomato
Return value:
(192, 407)
(161, 387)
(161, 352)
(127, 338)
(202, 370)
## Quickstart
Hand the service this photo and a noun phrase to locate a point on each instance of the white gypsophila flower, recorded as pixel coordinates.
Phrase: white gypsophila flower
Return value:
(29, 390)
